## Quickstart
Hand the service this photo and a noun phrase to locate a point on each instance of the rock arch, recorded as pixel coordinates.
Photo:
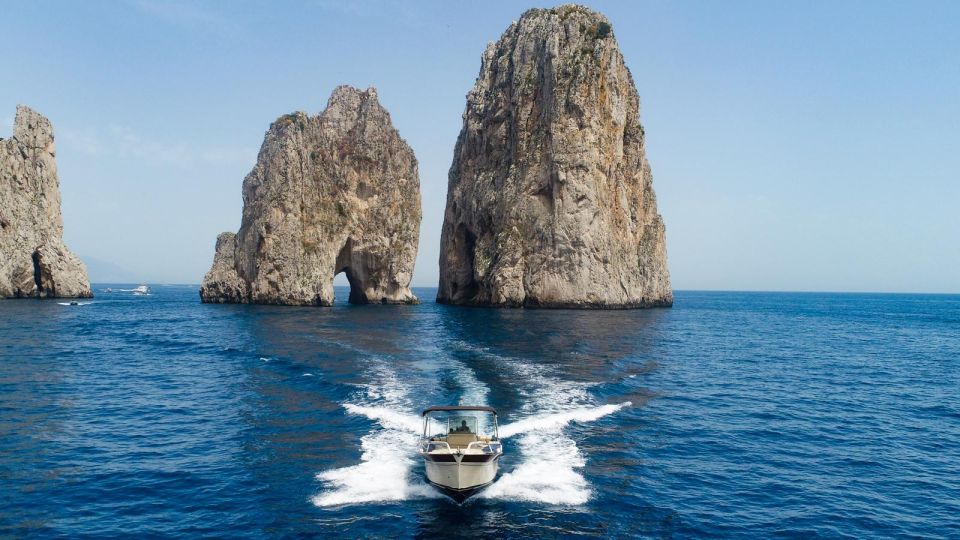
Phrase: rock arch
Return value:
(332, 193)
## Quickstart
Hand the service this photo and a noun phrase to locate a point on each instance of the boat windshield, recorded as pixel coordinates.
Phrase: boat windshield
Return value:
(476, 425)
(461, 424)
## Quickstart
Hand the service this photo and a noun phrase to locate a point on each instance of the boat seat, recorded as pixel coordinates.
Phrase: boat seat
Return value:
(461, 440)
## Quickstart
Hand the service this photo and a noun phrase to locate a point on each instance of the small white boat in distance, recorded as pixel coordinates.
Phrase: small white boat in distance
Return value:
(461, 449)
(141, 290)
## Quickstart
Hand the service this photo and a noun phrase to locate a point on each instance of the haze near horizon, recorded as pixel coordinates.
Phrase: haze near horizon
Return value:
(793, 148)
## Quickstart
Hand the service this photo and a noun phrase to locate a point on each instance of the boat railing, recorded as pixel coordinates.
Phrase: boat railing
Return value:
(487, 447)
(431, 446)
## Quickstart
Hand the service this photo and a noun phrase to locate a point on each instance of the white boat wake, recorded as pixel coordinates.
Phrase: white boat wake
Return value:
(548, 468)
(548, 462)
(140, 290)
(388, 418)
(548, 471)
(387, 452)
(386, 472)
(557, 421)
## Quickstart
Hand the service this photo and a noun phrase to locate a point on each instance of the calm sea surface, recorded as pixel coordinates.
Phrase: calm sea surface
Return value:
(730, 415)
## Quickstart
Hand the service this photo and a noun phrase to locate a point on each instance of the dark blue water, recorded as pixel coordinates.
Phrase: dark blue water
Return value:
(732, 414)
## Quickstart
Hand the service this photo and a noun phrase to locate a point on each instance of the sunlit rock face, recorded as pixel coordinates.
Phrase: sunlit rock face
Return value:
(336, 192)
(34, 262)
(550, 200)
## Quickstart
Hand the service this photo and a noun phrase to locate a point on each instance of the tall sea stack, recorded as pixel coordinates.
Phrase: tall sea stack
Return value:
(550, 200)
(336, 192)
(34, 262)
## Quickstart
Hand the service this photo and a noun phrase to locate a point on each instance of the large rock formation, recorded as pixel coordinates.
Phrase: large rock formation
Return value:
(550, 200)
(34, 262)
(336, 192)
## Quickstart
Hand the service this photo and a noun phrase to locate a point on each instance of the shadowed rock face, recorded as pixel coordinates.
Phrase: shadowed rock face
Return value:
(336, 192)
(34, 262)
(550, 200)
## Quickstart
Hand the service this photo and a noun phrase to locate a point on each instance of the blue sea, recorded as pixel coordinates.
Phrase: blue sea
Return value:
(730, 415)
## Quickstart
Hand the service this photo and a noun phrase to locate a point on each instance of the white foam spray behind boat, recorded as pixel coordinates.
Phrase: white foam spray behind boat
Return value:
(388, 418)
(548, 466)
(387, 451)
(558, 421)
(389, 467)
(548, 471)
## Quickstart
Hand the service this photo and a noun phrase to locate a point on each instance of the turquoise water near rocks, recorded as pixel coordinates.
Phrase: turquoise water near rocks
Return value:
(729, 415)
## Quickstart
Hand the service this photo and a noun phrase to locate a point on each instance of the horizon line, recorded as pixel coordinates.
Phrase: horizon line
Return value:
(745, 291)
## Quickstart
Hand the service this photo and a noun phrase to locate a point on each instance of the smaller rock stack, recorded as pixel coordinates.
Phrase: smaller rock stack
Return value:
(336, 192)
(34, 262)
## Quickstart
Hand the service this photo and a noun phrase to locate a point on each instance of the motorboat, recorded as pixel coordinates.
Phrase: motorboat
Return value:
(461, 449)
(141, 290)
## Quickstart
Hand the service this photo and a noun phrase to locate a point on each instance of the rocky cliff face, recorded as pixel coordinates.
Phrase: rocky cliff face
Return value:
(336, 192)
(550, 200)
(34, 262)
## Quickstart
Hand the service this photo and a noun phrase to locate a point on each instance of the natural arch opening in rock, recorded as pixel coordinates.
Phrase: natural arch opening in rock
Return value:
(346, 264)
(464, 287)
(37, 273)
(357, 295)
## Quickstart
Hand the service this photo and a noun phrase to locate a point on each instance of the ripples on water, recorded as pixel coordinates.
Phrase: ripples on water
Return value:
(730, 414)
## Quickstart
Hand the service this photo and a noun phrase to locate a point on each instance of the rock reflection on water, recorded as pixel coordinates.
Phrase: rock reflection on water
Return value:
(585, 344)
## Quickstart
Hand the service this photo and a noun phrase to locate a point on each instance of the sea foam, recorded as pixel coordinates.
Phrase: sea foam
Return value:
(388, 451)
(548, 463)
(548, 470)
(554, 422)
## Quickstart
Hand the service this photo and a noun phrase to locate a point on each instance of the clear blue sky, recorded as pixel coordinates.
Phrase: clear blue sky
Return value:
(795, 146)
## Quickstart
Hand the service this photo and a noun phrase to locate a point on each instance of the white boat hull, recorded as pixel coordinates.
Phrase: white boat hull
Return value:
(460, 453)
(461, 475)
